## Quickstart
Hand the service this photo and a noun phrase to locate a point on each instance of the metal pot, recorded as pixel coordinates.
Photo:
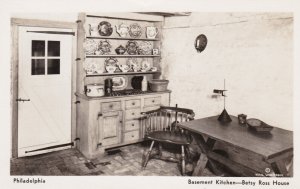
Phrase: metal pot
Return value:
(94, 90)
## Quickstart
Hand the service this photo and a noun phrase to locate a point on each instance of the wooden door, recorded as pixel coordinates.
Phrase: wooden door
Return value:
(44, 89)
(110, 124)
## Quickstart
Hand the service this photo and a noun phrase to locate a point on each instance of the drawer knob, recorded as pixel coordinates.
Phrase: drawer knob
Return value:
(132, 113)
(133, 104)
(153, 101)
(132, 125)
(132, 136)
(111, 106)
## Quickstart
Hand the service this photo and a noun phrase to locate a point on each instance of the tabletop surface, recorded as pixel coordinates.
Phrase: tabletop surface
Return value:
(268, 145)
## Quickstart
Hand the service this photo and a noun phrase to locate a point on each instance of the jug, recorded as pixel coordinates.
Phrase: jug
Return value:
(122, 30)
(151, 32)
(93, 29)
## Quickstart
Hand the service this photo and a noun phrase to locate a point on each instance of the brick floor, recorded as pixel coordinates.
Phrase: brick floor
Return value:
(126, 161)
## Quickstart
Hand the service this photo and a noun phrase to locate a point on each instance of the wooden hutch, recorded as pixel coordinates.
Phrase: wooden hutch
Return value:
(112, 121)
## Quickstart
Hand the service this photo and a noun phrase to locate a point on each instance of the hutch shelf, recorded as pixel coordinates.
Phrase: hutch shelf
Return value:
(120, 56)
(123, 38)
(122, 73)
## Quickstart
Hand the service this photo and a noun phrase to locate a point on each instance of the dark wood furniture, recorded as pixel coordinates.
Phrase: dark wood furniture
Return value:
(161, 127)
(269, 149)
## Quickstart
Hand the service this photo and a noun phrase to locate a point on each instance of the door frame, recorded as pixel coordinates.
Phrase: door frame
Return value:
(15, 24)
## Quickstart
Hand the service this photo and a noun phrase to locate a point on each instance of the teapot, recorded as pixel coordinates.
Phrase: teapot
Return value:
(122, 30)
(93, 29)
(134, 64)
(145, 65)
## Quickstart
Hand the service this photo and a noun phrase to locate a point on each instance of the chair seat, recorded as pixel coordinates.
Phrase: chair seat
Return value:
(169, 137)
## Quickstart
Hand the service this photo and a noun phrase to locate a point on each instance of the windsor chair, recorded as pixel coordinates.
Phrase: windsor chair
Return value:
(160, 126)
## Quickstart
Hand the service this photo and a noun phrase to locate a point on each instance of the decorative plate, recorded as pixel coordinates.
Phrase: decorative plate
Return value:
(135, 30)
(105, 28)
(145, 48)
(92, 67)
(132, 47)
(90, 46)
(119, 83)
(258, 125)
(111, 61)
(111, 65)
(104, 47)
(200, 43)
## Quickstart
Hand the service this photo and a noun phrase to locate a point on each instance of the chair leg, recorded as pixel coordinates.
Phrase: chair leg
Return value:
(188, 154)
(148, 155)
(159, 150)
(183, 160)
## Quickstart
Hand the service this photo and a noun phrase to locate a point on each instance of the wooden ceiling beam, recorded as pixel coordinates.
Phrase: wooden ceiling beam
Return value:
(167, 14)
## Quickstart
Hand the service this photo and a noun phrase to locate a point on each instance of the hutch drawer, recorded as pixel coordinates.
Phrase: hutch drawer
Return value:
(130, 104)
(132, 114)
(153, 101)
(132, 125)
(111, 106)
(130, 136)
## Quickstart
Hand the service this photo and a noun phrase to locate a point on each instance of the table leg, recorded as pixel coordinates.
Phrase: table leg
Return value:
(280, 168)
(205, 147)
(201, 164)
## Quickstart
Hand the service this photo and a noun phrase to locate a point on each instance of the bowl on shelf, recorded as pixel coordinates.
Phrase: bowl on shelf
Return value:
(158, 85)
(120, 50)
(124, 67)
(110, 68)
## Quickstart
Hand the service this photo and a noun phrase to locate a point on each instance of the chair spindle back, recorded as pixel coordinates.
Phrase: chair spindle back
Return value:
(165, 119)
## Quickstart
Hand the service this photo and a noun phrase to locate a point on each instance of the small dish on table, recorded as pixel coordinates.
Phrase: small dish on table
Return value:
(258, 125)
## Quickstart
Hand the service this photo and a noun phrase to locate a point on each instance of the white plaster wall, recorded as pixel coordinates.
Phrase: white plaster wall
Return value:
(253, 51)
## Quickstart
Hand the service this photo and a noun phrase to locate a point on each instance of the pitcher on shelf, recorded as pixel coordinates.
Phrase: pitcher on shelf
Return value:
(122, 30)
(93, 29)
(151, 32)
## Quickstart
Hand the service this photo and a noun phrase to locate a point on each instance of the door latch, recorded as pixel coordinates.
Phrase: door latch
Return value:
(22, 100)
(99, 115)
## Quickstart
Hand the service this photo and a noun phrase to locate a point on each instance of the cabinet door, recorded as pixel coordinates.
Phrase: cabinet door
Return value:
(109, 128)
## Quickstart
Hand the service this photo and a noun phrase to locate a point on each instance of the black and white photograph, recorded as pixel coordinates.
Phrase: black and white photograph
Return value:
(148, 96)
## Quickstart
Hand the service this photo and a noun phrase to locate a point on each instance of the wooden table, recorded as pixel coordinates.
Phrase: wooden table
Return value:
(272, 147)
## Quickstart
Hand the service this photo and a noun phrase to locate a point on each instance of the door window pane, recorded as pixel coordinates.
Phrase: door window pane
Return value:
(53, 48)
(37, 66)
(53, 66)
(37, 48)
